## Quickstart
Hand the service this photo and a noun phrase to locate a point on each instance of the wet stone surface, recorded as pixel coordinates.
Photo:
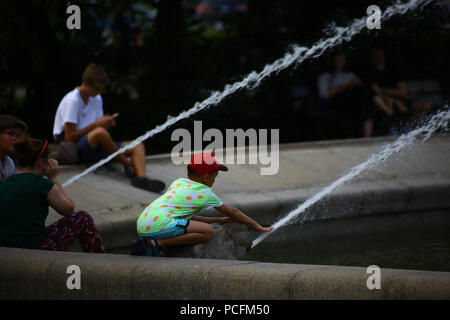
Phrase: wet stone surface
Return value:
(230, 241)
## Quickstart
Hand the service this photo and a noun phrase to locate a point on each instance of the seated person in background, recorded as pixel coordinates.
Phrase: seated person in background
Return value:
(25, 199)
(80, 119)
(336, 81)
(339, 89)
(10, 129)
(386, 99)
(173, 218)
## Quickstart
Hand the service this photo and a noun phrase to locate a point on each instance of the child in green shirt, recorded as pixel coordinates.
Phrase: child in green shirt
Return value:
(173, 219)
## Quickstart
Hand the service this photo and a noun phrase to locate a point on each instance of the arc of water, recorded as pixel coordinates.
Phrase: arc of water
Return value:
(252, 80)
(437, 121)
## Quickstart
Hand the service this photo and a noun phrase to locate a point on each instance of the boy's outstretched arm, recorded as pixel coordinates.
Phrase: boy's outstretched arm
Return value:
(211, 219)
(238, 215)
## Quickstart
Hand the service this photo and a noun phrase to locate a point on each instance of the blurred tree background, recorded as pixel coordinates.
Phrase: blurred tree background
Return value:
(163, 56)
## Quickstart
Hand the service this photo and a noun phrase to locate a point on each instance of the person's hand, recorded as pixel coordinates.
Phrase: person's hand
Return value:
(51, 168)
(400, 106)
(106, 121)
(377, 89)
(385, 104)
(354, 82)
(257, 227)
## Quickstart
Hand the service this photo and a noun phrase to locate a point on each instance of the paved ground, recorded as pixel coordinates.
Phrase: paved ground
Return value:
(304, 169)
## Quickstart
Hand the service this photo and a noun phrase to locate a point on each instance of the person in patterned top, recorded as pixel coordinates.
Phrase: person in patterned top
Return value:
(173, 218)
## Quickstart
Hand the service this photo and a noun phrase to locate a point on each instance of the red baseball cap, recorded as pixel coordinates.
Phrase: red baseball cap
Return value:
(202, 163)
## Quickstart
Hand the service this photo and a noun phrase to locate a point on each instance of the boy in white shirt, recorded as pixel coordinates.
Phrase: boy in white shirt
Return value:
(80, 119)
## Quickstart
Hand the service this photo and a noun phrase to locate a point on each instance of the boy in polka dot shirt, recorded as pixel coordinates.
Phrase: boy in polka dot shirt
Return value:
(173, 219)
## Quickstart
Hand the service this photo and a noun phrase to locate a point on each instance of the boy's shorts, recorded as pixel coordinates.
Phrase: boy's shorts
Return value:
(177, 229)
(88, 154)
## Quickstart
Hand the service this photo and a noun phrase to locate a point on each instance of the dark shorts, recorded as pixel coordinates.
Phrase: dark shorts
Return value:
(88, 154)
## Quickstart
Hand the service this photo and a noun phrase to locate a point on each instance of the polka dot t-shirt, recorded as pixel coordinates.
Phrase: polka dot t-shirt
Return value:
(183, 200)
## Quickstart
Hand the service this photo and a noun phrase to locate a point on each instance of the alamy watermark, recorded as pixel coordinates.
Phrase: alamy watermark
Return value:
(74, 20)
(231, 150)
(74, 280)
(374, 20)
(374, 280)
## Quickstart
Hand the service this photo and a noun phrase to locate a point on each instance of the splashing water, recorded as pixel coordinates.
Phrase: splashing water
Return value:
(422, 133)
(252, 80)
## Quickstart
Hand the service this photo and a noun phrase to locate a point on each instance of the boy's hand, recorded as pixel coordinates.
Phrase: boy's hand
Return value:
(106, 121)
(237, 215)
(257, 227)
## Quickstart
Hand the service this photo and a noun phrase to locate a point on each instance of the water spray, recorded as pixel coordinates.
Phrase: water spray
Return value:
(422, 133)
(297, 56)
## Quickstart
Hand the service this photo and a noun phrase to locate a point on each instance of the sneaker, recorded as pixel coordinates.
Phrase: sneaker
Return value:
(137, 248)
(148, 184)
(129, 172)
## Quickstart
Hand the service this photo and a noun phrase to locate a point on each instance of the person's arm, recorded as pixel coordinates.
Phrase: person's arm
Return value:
(211, 219)
(376, 89)
(339, 89)
(238, 215)
(57, 197)
(350, 83)
(72, 134)
(323, 86)
(399, 91)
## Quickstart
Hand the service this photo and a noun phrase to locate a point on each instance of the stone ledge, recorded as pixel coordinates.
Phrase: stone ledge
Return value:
(33, 274)
(283, 146)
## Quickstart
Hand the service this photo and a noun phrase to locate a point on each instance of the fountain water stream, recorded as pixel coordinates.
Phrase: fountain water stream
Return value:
(295, 57)
(422, 133)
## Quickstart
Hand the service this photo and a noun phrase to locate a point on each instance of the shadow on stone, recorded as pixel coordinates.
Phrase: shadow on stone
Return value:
(230, 241)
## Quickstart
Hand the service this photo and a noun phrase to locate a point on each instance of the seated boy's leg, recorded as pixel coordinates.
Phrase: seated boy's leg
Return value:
(137, 155)
(196, 232)
(85, 152)
(138, 161)
(100, 138)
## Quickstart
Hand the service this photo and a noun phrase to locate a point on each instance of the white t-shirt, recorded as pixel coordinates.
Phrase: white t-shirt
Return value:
(328, 81)
(72, 109)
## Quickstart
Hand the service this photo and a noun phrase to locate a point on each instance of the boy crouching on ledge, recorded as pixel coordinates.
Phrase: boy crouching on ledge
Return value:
(173, 218)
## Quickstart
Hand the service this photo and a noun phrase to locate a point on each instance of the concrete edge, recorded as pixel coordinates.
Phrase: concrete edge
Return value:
(32, 274)
(282, 146)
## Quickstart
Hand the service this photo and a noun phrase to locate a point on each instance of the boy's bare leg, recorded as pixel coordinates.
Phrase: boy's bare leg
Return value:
(100, 137)
(400, 106)
(137, 155)
(368, 128)
(384, 105)
(196, 232)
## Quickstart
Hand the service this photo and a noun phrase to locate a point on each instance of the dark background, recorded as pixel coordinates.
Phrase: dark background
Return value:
(180, 57)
